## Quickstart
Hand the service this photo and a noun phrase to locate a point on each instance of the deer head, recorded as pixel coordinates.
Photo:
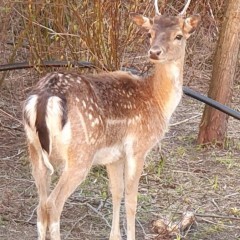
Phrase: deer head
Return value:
(167, 34)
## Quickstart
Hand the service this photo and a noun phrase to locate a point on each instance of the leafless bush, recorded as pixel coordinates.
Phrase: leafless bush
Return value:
(97, 31)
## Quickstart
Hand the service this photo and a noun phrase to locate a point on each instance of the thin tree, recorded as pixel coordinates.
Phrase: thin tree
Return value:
(213, 126)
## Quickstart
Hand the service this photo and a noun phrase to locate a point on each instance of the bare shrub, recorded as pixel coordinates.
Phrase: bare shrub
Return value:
(97, 31)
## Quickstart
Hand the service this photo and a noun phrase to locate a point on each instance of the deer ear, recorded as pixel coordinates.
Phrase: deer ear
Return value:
(141, 21)
(191, 24)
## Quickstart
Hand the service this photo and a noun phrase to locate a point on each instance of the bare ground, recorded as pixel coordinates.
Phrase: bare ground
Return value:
(180, 176)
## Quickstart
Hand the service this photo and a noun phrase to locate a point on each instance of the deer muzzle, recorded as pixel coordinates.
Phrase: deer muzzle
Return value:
(156, 53)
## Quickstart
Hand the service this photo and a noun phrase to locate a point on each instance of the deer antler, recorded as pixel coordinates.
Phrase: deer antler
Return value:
(183, 12)
(156, 7)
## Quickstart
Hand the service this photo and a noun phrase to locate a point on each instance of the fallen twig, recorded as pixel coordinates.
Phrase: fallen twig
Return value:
(100, 214)
(9, 115)
(185, 120)
(214, 216)
(74, 225)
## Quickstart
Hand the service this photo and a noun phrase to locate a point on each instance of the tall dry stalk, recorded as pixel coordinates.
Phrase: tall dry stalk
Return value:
(98, 31)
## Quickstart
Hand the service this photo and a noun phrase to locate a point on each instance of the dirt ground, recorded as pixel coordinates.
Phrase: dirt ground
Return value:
(179, 175)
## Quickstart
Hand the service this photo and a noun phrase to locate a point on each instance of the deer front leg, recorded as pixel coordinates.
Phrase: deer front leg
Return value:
(133, 170)
(115, 174)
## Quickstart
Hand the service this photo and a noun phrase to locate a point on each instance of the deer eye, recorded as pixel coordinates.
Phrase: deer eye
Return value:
(149, 35)
(179, 37)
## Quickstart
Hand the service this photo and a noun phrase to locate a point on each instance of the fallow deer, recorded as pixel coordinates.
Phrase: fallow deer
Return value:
(113, 119)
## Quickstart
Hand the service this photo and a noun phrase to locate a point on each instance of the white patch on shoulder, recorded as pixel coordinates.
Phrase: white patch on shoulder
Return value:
(107, 155)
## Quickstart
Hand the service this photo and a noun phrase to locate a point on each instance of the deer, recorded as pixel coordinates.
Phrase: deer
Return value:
(110, 118)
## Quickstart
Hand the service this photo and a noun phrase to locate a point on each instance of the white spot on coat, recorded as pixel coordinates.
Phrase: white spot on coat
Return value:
(84, 104)
(95, 122)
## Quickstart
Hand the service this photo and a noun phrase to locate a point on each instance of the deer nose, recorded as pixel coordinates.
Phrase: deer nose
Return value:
(155, 53)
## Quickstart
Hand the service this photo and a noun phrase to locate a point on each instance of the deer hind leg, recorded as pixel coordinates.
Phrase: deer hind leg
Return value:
(133, 170)
(72, 176)
(42, 181)
(115, 174)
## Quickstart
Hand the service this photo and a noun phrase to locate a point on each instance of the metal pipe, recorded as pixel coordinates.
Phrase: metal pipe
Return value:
(23, 65)
(211, 102)
(186, 90)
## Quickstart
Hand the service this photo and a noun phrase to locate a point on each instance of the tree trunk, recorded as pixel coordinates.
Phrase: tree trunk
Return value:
(213, 126)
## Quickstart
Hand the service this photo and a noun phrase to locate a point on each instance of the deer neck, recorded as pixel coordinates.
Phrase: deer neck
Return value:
(167, 85)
